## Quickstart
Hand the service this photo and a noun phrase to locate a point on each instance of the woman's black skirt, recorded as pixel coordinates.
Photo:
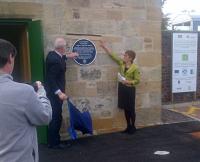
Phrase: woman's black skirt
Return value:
(126, 97)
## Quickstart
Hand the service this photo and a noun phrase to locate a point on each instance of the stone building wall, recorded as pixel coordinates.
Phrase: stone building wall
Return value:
(123, 24)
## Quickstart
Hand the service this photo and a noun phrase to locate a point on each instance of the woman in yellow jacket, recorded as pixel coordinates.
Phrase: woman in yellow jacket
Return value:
(129, 77)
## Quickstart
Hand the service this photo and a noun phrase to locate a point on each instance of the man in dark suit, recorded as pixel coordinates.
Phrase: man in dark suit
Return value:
(55, 87)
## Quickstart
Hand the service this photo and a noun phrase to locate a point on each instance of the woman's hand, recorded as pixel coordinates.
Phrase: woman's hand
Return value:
(106, 49)
(102, 44)
(126, 82)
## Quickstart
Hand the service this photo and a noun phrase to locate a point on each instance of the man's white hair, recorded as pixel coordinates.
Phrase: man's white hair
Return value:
(59, 43)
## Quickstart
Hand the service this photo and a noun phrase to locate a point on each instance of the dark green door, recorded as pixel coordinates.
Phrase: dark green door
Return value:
(37, 63)
(32, 55)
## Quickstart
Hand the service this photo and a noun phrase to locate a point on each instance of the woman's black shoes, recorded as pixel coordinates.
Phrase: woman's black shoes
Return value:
(132, 130)
(129, 130)
(125, 131)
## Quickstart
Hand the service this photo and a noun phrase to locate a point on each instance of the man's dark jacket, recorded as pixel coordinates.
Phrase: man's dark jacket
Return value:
(55, 73)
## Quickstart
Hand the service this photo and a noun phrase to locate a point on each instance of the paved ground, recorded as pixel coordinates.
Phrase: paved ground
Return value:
(192, 111)
(169, 116)
(175, 138)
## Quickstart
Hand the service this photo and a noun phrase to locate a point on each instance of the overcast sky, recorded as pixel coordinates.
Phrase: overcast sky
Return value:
(174, 9)
(176, 6)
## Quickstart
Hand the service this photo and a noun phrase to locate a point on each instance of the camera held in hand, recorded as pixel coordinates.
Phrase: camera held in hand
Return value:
(35, 86)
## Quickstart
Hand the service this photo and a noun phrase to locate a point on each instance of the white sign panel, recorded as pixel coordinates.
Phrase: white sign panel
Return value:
(184, 62)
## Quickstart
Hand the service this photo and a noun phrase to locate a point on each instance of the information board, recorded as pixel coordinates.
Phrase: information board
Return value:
(184, 62)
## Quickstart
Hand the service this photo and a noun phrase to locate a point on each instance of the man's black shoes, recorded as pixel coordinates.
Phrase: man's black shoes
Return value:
(60, 146)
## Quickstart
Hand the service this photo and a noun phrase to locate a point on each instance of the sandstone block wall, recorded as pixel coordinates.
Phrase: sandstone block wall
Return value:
(124, 24)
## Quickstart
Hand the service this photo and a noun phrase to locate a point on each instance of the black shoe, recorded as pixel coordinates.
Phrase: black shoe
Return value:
(132, 130)
(59, 147)
(126, 130)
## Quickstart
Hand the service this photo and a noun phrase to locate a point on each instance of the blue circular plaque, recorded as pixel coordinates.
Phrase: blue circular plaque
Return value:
(86, 50)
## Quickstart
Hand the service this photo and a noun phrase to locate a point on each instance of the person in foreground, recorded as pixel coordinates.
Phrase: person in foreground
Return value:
(129, 77)
(55, 87)
(21, 110)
